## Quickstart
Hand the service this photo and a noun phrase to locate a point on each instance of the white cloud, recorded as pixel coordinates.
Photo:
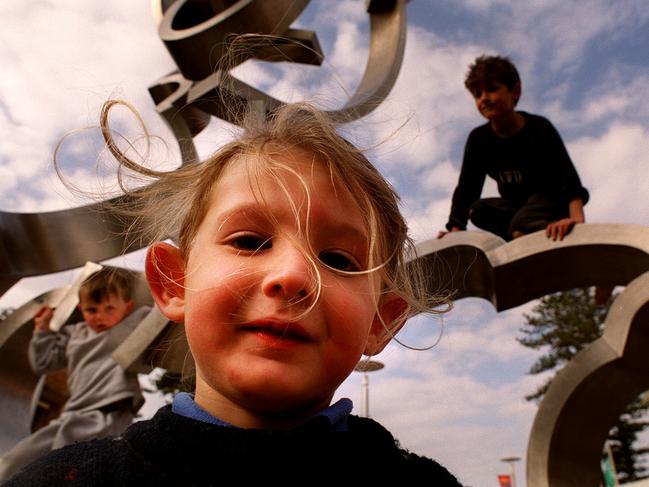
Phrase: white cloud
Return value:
(493, 340)
(555, 34)
(424, 223)
(440, 176)
(483, 5)
(430, 99)
(619, 98)
(60, 62)
(615, 167)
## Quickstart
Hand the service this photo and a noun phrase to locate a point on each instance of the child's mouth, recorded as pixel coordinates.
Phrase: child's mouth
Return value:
(278, 331)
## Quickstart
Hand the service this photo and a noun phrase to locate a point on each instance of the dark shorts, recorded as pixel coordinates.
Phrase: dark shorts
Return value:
(503, 217)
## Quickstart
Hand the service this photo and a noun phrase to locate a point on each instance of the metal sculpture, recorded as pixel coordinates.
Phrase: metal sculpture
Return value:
(196, 39)
(591, 391)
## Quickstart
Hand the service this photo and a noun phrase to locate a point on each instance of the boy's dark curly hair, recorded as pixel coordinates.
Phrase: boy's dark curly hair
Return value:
(487, 69)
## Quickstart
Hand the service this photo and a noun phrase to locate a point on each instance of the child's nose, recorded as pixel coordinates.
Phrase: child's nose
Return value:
(291, 275)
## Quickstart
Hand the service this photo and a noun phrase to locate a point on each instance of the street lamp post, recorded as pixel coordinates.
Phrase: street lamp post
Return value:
(512, 470)
(366, 366)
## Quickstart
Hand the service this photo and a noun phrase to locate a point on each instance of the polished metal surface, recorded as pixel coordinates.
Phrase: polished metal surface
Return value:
(589, 394)
(591, 391)
(33, 244)
(198, 34)
(196, 38)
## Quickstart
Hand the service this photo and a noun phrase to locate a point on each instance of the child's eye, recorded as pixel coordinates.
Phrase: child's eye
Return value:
(339, 260)
(250, 242)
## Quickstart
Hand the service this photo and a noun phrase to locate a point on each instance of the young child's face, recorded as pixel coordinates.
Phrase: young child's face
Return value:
(106, 313)
(494, 100)
(247, 284)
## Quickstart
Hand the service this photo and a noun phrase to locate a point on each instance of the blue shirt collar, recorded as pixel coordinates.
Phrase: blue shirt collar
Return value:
(184, 405)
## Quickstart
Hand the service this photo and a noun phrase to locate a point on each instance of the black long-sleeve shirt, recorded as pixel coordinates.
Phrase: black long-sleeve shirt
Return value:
(532, 161)
(172, 450)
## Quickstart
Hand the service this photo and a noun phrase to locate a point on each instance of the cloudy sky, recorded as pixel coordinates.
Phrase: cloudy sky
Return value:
(583, 65)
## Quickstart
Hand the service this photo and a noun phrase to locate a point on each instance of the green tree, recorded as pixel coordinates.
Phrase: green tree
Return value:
(561, 325)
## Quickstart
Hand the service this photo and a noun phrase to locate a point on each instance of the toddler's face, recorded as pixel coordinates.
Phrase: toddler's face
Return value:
(248, 283)
(105, 314)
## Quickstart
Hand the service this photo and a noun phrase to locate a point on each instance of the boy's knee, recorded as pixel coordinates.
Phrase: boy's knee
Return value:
(485, 211)
(478, 205)
(539, 211)
(524, 226)
(477, 212)
(493, 215)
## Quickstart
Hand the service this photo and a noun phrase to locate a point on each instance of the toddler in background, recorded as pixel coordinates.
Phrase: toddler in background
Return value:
(103, 397)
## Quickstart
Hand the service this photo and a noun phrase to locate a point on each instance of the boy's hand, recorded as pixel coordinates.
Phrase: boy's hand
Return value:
(444, 232)
(43, 317)
(560, 228)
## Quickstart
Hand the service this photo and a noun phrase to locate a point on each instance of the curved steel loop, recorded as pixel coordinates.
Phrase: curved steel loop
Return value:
(387, 45)
(509, 274)
(226, 97)
(42, 243)
(196, 33)
(590, 392)
(185, 121)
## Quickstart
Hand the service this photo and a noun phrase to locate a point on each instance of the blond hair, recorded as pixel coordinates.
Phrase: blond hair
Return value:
(174, 205)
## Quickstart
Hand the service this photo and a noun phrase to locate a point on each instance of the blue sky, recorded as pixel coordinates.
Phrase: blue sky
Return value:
(583, 65)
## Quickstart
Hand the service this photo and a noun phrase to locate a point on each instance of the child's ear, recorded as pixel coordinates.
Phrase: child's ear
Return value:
(390, 317)
(165, 272)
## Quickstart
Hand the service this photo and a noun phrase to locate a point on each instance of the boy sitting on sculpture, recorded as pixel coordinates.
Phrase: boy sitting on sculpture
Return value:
(538, 184)
(103, 396)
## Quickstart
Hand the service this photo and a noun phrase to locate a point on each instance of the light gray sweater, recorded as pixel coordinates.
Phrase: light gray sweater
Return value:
(95, 380)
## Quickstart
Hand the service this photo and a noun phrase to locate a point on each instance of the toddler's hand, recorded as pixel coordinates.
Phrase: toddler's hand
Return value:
(43, 317)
